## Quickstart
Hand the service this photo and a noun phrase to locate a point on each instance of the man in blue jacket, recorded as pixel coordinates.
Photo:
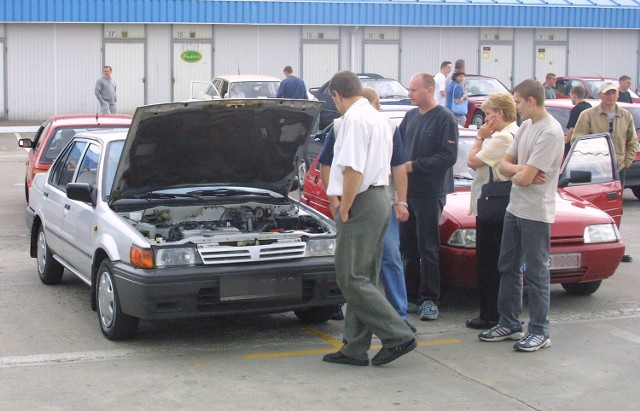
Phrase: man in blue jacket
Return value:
(292, 86)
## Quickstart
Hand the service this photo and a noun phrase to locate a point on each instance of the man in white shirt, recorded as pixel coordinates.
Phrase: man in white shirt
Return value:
(440, 92)
(358, 177)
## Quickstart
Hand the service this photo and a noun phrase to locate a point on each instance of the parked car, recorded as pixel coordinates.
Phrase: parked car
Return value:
(250, 85)
(561, 108)
(585, 243)
(54, 134)
(591, 85)
(187, 215)
(478, 88)
(391, 92)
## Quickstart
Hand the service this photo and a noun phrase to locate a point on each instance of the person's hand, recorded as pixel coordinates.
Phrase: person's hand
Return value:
(402, 214)
(485, 131)
(334, 203)
(540, 178)
(344, 215)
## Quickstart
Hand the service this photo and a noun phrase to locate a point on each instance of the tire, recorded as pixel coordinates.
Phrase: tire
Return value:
(115, 324)
(26, 190)
(582, 288)
(49, 270)
(316, 315)
(301, 172)
(636, 191)
(477, 119)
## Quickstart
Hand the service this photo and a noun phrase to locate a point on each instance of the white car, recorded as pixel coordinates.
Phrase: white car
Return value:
(187, 215)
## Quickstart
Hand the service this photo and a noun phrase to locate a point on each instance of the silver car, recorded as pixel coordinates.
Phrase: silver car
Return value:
(187, 215)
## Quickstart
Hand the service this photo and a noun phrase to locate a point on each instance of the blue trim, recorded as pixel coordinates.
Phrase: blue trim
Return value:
(622, 14)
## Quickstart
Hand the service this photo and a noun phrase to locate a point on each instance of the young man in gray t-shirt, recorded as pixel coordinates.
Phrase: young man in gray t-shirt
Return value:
(533, 163)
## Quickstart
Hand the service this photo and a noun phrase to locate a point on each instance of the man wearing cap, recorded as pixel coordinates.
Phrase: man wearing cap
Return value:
(611, 118)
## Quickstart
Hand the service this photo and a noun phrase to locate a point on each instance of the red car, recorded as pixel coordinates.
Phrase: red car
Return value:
(478, 88)
(54, 134)
(591, 86)
(561, 108)
(585, 243)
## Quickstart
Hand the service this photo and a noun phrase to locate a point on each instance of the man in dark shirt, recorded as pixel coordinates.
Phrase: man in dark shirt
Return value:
(430, 135)
(292, 86)
(623, 89)
(577, 95)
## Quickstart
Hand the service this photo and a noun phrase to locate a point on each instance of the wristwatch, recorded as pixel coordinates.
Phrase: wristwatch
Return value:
(479, 138)
(402, 203)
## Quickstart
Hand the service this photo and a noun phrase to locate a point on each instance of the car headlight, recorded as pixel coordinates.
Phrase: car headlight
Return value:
(601, 233)
(463, 237)
(172, 256)
(320, 247)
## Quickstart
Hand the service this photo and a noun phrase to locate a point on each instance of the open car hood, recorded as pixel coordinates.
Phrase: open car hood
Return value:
(236, 142)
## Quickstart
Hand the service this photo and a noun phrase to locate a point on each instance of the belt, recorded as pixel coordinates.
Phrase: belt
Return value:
(369, 188)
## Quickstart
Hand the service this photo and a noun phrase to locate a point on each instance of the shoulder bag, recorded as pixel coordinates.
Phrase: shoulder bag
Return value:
(494, 199)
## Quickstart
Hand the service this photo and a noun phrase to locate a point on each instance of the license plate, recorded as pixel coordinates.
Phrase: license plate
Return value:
(564, 261)
(248, 288)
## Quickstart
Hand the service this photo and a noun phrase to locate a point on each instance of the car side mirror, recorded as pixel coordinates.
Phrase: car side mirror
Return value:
(575, 177)
(81, 192)
(25, 143)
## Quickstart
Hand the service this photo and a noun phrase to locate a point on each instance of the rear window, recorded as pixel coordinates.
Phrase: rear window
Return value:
(59, 140)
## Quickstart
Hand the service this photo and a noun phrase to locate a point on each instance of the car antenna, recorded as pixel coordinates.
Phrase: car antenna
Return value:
(238, 69)
(601, 78)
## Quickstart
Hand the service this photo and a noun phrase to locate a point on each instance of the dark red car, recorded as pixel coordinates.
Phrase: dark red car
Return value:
(591, 85)
(585, 242)
(478, 88)
(54, 134)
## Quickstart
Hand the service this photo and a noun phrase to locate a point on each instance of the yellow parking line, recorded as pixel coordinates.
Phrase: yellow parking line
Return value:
(336, 345)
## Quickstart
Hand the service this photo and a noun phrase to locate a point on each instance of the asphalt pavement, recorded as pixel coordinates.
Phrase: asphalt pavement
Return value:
(53, 356)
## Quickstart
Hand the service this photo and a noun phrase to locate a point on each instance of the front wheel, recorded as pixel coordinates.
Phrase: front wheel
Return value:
(316, 315)
(115, 324)
(301, 172)
(582, 288)
(49, 270)
(477, 119)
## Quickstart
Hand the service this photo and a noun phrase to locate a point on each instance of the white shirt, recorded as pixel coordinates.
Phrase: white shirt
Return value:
(440, 80)
(365, 143)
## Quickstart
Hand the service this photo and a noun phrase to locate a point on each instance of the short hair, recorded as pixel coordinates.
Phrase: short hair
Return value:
(427, 79)
(459, 64)
(371, 94)
(531, 88)
(457, 74)
(444, 64)
(107, 67)
(287, 69)
(346, 83)
(578, 91)
(501, 101)
(550, 76)
(624, 77)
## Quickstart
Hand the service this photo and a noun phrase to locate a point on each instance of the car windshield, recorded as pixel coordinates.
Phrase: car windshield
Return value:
(481, 86)
(462, 174)
(386, 88)
(253, 89)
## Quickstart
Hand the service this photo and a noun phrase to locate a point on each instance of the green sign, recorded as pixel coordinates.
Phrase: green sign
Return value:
(191, 56)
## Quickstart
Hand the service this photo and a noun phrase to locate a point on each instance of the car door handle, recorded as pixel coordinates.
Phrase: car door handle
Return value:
(67, 206)
(612, 196)
(46, 194)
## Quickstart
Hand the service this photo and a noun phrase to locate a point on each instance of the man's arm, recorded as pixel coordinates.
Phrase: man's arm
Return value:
(520, 174)
(583, 126)
(400, 181)
(631, 146)
(98, 91)
(351, 180)
(446, 155)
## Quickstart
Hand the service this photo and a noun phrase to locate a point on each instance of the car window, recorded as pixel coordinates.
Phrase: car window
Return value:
(88, 170)
(56, 143)
(594, 87)
(484, 86)
(463, 175)
(560, 114)
(65, 169)
(113, 153)
(386, 88)
(635, 112)
(258, 89)
(591, 154)
(37, 139)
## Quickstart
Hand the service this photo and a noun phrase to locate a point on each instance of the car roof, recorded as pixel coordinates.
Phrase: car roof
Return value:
(90, 120)
(236, 78)
(105, 135)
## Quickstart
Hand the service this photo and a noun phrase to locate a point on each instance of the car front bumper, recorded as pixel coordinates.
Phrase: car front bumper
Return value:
(217, 290)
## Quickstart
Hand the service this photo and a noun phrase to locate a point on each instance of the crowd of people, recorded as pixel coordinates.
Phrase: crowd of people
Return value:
(364, 154)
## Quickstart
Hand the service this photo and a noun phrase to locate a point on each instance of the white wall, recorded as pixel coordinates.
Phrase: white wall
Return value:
(158, 63)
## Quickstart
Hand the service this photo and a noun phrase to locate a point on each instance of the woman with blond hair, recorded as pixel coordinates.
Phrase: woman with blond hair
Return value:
(492, 141)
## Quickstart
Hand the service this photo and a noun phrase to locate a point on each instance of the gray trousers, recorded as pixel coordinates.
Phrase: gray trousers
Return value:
(524, 242)
(358, 259)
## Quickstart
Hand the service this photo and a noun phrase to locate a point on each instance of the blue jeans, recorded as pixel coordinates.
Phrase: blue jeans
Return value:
(392, 271)
(524, 242)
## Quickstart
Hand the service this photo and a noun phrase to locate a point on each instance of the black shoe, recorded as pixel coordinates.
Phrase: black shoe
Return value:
(386, 355)
(340, 358)
(626, 258)
(338, 316)
(413, 329)
(479, 324)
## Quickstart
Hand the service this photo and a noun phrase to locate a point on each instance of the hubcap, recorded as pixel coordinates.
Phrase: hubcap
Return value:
(106, 299)
(41, 256)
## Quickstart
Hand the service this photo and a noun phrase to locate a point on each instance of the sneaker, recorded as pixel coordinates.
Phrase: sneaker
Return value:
(412, 308)
(500, 333)
(428, 311)
(532, 342)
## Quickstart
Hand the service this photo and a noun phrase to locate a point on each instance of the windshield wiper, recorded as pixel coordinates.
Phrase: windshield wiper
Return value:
(461, 177)
(223, 192)
(155, 195)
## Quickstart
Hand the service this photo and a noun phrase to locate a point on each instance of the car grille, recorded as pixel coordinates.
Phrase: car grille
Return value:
(236, 255)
